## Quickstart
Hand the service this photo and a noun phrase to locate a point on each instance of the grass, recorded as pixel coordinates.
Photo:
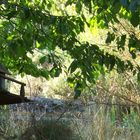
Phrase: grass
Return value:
(97, 122)
(49, 130)
(13, 126)
(113, 114)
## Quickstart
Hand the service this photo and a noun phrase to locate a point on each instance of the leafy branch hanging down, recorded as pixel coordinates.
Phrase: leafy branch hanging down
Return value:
(26, 26)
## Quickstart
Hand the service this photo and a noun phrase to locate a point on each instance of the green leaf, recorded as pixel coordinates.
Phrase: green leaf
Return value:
(73, 66)
(58, 72)
(43, 59)
(112, 62)
(116, 7)
(138, 77)
(69, 2)
(77, 90)
(11, 14)
(26, 12)
(71, 81)
(55, 72)
(10, 37)
(45, 73)
(110, 37)
(121, 42)
(37, 44)
(99, 10)
(78, 6)
(135, 19)
(133, 55)
(129, 65)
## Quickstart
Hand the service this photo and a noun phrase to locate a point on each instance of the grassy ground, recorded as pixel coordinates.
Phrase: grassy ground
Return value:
(111, 112)
(96, 123)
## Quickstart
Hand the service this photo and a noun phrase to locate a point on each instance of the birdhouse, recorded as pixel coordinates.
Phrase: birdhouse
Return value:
(5, 96)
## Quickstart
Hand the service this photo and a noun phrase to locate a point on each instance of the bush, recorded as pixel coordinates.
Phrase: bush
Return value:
(49, 130)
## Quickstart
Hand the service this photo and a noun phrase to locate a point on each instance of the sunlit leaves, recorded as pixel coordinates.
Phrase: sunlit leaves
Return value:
(86, 62)
(41, 25)
(10, 37)
(124, 13)
(71, 81)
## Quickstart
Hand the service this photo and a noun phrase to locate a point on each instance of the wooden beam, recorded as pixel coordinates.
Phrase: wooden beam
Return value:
(4, 72)
(9, 98)
(13, 80)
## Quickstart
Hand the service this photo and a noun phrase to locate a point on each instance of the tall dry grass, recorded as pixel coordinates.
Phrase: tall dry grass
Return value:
(111, 112)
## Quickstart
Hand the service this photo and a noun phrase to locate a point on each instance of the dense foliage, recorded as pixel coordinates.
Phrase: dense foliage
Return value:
(46, 25)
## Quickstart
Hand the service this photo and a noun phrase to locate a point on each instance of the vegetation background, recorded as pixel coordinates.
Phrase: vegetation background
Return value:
(82, 49)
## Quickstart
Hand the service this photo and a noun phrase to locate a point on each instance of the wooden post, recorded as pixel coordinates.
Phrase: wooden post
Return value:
(22, 90)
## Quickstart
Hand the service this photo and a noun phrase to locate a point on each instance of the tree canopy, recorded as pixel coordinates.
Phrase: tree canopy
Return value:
(46, 25)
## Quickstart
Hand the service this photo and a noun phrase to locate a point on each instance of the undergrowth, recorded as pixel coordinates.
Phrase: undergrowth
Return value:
(111, 112)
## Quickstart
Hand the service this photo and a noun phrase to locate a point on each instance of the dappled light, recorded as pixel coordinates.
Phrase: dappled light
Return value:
(69, 70)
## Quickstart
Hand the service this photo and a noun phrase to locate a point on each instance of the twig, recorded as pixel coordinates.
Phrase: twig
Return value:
(61, 115)
(125, 98)
(112, 104)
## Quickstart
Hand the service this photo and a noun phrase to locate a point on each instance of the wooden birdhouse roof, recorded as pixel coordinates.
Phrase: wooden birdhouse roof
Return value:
(9, 98)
